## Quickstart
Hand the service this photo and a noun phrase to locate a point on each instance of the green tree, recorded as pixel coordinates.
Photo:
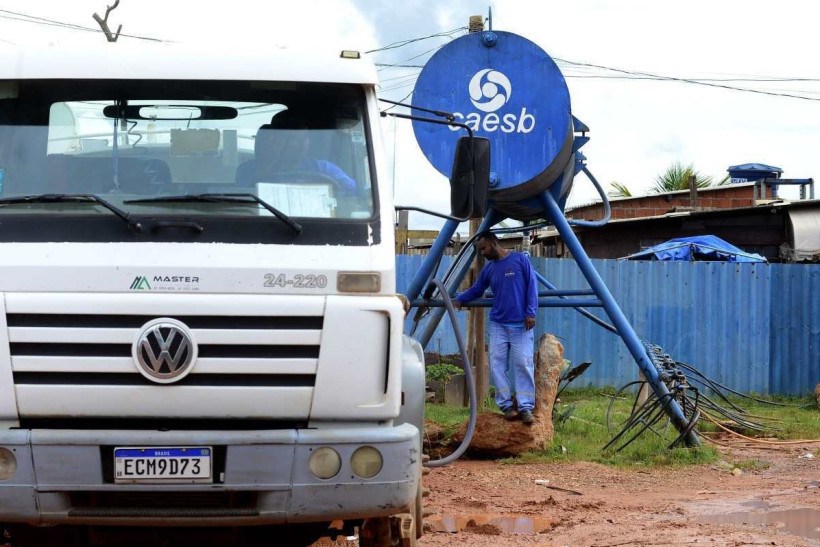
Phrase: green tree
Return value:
(619, 190)
(677, 176)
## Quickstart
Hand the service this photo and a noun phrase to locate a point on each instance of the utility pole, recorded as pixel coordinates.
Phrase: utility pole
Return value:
(475, 318)
(103, 22)
(476, 328)
(402, 232)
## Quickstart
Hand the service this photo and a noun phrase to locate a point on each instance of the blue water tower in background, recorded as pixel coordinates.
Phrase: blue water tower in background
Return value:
(757, 173)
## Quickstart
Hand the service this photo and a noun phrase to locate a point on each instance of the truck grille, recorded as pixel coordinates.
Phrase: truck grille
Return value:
(221, 351)
(55, 357)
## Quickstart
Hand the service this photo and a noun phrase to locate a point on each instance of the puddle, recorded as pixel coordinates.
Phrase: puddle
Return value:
(757, 504)
(488, 524)
(801, 522)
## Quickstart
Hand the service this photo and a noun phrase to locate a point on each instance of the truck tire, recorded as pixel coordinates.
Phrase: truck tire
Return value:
(418, 512)
(395, 531)
(375, 532)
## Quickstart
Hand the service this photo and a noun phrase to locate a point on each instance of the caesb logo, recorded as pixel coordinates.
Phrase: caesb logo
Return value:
(484, 90)
(489, 91)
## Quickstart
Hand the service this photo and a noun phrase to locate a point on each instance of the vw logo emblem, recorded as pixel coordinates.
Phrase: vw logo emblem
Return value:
(165, 350)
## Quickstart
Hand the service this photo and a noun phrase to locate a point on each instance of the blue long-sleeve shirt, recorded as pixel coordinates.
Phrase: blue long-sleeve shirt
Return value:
(515, 290)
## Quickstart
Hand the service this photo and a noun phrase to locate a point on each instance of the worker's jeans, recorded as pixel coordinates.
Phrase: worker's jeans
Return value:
(511, 349)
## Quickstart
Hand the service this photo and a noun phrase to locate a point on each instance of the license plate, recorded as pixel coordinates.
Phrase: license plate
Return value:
(163, 464)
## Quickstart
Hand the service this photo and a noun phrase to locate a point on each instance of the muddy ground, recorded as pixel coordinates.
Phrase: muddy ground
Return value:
(756, 495)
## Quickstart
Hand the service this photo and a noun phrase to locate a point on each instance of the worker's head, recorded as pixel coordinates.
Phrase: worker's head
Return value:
(283, 143)
(488, 245)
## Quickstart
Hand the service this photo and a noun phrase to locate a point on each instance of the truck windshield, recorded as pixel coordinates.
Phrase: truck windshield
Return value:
(300, 147)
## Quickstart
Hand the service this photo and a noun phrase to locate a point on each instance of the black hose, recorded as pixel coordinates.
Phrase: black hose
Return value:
(693, 421)
(763, 401)
(660, 412)
(646, 409)
(708, 382)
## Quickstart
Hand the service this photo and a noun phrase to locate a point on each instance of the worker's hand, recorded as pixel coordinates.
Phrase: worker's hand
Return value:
(457, 304)
(529, 322)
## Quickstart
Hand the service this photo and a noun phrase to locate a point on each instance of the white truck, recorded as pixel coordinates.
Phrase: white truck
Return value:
(183, 348)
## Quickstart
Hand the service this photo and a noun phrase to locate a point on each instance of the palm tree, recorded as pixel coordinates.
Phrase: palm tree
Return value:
(677, 177)
(619, 190)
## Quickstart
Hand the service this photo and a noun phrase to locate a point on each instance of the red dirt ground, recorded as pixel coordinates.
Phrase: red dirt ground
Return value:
(669, 506)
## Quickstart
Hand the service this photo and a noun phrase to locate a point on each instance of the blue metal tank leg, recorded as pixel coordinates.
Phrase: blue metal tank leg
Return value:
(436, 315)
(431, 260)
(619, 320)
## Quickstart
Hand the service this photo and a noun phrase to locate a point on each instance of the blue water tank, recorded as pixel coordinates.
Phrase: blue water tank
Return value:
(508, 90)
(754, 172)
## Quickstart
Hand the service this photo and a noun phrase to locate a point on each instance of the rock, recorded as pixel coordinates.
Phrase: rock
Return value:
(495, 437)
(737, 472)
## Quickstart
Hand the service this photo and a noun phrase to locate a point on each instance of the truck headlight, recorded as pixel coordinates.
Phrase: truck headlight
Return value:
(324, 463)
(8, 464)
(366, 462)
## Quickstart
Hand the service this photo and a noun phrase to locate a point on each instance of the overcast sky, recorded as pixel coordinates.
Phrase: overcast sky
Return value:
(638, 127)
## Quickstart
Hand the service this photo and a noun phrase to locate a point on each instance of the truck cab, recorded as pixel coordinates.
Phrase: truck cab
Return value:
(199, 323)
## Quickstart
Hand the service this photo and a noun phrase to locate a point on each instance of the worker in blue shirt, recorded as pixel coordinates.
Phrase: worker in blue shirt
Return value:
(515, 300)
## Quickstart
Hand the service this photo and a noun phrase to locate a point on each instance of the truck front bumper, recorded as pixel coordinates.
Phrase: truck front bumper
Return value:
(260, 477)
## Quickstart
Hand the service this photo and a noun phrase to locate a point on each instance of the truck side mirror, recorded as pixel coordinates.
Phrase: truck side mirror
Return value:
(470, 179)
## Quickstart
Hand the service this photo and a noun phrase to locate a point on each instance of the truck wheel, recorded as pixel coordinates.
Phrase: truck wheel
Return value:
(403, 532)
(375, 532)
(418, 512)
(395, 531)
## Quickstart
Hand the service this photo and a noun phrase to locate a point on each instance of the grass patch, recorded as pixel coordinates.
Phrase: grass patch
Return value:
(791, 418)
(751, 465)
(584, 432)
(445, 415)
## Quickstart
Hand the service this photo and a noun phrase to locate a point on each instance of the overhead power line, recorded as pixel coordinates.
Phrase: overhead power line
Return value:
(26, 18)
(622, 74)
(403, 43)
(625, 77)
(651, 76)
(386, 65)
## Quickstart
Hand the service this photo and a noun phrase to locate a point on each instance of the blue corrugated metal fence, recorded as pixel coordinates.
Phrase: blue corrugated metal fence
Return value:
(752, 327)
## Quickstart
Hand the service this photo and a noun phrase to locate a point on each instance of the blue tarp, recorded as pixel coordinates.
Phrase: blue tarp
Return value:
(706, 247)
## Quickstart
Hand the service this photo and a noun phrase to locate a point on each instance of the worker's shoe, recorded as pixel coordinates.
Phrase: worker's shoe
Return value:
(510, 414)
(527, 417)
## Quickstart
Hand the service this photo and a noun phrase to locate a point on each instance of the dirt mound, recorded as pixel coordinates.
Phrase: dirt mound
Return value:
(496, 437)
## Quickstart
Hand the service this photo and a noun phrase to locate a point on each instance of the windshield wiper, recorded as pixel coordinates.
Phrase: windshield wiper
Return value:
(245, 198)
(135, 225)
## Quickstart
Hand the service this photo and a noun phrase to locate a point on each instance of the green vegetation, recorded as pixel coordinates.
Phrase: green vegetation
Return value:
(751, 465)
(677, 176)
(446, 416)
(441, 372)
(792, 418)
(619, 190)
(584, 432)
